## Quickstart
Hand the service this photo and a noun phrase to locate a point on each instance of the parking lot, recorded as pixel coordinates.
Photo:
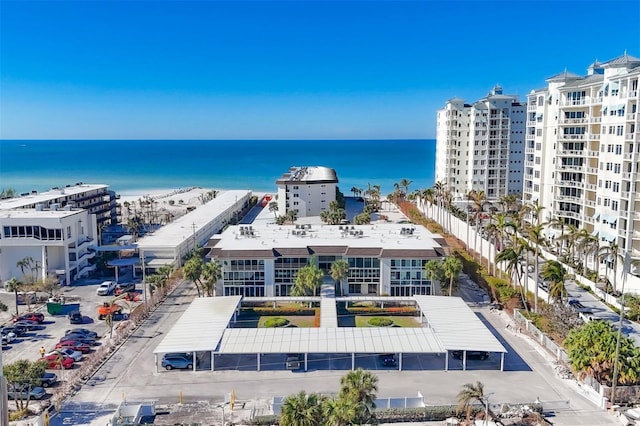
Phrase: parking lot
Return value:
(47, 334)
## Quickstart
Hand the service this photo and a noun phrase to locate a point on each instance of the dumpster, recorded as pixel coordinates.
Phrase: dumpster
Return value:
(56, 306)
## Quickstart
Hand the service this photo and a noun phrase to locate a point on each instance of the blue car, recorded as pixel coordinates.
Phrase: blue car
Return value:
(179, 361)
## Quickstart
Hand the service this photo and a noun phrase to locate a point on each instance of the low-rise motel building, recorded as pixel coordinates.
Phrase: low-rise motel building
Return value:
(262, 260)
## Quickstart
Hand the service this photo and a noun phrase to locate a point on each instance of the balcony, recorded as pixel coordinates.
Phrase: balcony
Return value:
(569, 198)
(563, 151)
(631, 116)
(568, 214)
(573, 137)
(626, 176)
(574, 120)
(596, 119)
(570, 183)
(629, 136)
(590, 187)
(567, 167)
(592, 170)
(592, 153)
(624, 194)
(590, 203)
(628, 156)
(593, 136)
(574, 102)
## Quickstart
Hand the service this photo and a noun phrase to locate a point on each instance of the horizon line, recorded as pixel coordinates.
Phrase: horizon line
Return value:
(225, 139)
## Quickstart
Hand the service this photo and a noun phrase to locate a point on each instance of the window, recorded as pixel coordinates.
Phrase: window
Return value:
(616, 168)
(614, 206)
(618, 149)
(616, 187)
(619, 130)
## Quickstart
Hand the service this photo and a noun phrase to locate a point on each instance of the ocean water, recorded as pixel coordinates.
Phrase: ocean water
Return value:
(132, 166)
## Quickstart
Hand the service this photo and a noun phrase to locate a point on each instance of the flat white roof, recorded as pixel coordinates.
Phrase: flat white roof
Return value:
(330, 340)
(201, 326)
(456, 325)
(388, 236)
(37, 214)
(174, 233)
(44, 197)
(452, 325)
(328, 313)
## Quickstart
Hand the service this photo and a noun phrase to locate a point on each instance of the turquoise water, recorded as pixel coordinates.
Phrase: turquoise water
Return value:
(128, 166)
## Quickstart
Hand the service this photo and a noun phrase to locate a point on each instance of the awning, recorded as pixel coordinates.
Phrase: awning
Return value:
(609, 218)
(608, 236)
(604, 111)
(618, 107)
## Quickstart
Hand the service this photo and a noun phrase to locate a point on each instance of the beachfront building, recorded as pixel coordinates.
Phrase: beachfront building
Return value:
(170, 244)
(97, 199)
(306, 190)
(389, 259)
(56, 240)
(583, 152)
(480, 146)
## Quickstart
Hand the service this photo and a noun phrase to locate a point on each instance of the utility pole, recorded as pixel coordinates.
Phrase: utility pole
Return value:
(626, 267)
(193, 225)
(144, 277)
(4, 409)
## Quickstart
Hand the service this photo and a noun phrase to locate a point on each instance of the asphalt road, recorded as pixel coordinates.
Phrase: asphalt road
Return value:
(529, 375)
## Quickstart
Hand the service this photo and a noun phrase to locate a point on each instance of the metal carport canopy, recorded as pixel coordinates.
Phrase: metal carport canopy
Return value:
(457, 326)
(330, 340)
(201, 326)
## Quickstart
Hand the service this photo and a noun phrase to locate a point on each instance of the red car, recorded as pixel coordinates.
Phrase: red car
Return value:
(75, 345)
(56, 362)
(30, 316)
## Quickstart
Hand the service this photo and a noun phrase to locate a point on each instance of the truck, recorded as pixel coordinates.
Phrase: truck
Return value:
(108, 308)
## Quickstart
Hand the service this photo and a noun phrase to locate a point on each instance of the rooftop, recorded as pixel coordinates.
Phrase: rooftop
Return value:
(311, 174)
(44, 197)
(186, 226)
(38, 214)
(380, 240)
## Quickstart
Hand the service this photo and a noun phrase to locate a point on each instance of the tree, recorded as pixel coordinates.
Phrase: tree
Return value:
(451, 268)
(478, 198)
(470, 393)
(556, 273)
(433, 271)
(592, 352)
(211, 272)
(512, 257)
(340, 412)
(340, 271)
(302, 410)
(610, 255)
(360, 388)
(308, 280)
(273, 208)
(50, 285)
(536, 236)
(291, 215)
(192, 271)
(405, 183)
(23, 373)
(15, 286)
(29, 264)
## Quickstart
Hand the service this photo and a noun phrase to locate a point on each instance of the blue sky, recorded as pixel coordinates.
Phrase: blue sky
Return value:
(283, 70)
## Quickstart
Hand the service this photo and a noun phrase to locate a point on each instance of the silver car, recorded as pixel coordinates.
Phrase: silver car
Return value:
(74, 355)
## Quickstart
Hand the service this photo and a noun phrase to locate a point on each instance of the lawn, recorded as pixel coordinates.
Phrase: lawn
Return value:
(294, 320)
(398, 321)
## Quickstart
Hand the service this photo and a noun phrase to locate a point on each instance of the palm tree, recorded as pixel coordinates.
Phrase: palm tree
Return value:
(308, 280)
(479, 199)
(192, 271)
(438, 190)
(25, 263)
(493, 234)
(14, 285)
(557, 274)
(610, 255)
(513, 257)
(557, 223)
(340, 271)
(428, 196)
(536, 236)
(405, 183)
(469, 197)
(302, 410)
(470, 393)
(273, 208)
(451, 268)
(211, 272)
(360, 387)
(340, 412)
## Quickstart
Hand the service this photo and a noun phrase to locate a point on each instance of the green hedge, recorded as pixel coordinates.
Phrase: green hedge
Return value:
(276, 322)
(285, 311)
(364, 310)
(380, 322)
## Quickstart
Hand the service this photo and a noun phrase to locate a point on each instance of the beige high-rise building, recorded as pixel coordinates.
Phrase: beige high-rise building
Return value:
(480, 146)
(583, 152)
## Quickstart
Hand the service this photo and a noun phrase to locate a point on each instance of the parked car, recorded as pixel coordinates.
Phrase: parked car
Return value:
(82, 331)
(57, 362)
(179, 361)
(48, 379)
(75, 345)
(8, 337)
(25, 391)
(388, 360)
(106, 288)
(293, 361)
(28, 324)
(75, 317)
(481, 355)
(124, 288)
(68, 352)
(80, 338)
(19, 330)
(31, 316)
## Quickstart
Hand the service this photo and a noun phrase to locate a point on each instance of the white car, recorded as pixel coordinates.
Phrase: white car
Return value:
(106, 288)
(74, 355)
(8, 337)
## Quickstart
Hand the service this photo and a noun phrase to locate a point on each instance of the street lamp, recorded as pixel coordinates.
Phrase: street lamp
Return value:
(485, 399)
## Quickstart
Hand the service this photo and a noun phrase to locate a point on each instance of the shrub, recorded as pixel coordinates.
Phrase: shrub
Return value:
(300, 310)
(380, 322)
(398, 310)
(276, 322)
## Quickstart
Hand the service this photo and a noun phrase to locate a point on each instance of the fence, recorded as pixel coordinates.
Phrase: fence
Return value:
(557, 351)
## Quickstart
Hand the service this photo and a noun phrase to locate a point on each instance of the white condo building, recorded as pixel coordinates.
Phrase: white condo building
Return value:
(307, 190)
(480, 146)
(583, 151)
